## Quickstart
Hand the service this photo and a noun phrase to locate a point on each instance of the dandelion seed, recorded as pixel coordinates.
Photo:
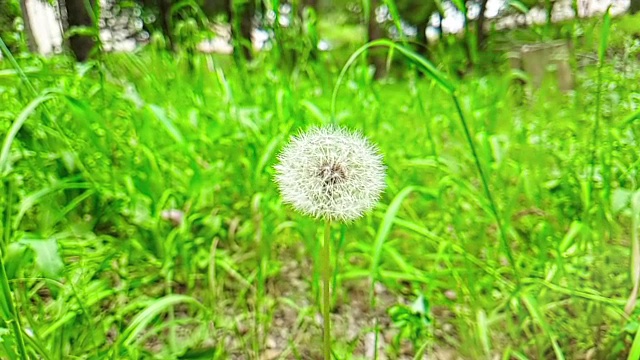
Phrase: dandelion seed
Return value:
(330, 173)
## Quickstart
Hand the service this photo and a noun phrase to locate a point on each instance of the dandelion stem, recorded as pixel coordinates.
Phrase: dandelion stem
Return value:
(326, 291)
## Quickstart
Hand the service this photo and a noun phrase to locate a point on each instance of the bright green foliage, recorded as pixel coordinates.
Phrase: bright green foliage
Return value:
(140, 220)
(9, 13)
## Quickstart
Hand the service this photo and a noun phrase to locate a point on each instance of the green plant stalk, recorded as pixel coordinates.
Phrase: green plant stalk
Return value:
(432, 141)
(485, 186)
(172, 315)
(14, 319)
(326, 291)
(14, 63)
(8, 307)
(596, 127)
(634, 353)
(594, 144)
(6, 228)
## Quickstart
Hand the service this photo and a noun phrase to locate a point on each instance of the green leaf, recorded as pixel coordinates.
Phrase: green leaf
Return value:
(604, 38)
(385, 229)
(420, 306)
(634, 353)
(5, 165)
(48, 258)
(143, 318)
(395, 16)
(461, 6)
(80, 30)
(518, 6)
(15, 254)
(168, 124)
(36, 197)
(538, 317)
(620, 199)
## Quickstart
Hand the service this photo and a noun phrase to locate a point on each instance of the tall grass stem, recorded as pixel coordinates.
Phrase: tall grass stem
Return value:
(14, 63)
(13, 314)
(487, 191)
(596, 126)
(8, 307)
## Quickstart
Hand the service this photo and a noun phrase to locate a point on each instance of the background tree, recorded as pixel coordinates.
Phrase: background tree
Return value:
(375, 32)
(164, 16)
(156, 15)
(418, 14)
(482, 35)
(413, 12)
(79, 21)
(634, 6)
(242, 17)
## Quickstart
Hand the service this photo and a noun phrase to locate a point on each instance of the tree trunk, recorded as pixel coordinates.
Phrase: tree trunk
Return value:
(482, 36)
(241, 27)
(164, 9)
(78, 15)
(421, 38)
(28, 32)
(634, 7)
(374, 32)
(246, 28)
(440, 28)
(212, 8)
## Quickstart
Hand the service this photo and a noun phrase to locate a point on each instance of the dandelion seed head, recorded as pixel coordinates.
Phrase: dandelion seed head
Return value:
(330, 173)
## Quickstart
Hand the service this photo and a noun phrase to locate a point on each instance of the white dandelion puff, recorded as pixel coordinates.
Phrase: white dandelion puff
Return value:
(330, 173)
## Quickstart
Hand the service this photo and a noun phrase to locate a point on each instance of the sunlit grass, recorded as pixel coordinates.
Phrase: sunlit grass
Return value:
(101, 150)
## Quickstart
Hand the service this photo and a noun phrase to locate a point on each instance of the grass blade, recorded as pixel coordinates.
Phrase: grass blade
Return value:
(15, 128)
(537, 316)
(168, 125)
(604, 36)
(634, 353)
(140, 321)
(422, 64)
(385, 228)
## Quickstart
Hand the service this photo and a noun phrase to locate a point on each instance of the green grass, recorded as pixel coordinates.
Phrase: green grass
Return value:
(93, 154)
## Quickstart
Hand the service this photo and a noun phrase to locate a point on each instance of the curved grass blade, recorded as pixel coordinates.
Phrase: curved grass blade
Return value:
(631, 118)
(267, 154)
(385, 229)
(422, 64)
(160, 114)
(604, 37)
(532, 307)
(140, 321)
(634, 353)
(518, 5)
(32, 199)
(15, 128)
(397, 20)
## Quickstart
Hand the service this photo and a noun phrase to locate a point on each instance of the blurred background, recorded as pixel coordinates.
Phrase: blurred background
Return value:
(209, 25)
